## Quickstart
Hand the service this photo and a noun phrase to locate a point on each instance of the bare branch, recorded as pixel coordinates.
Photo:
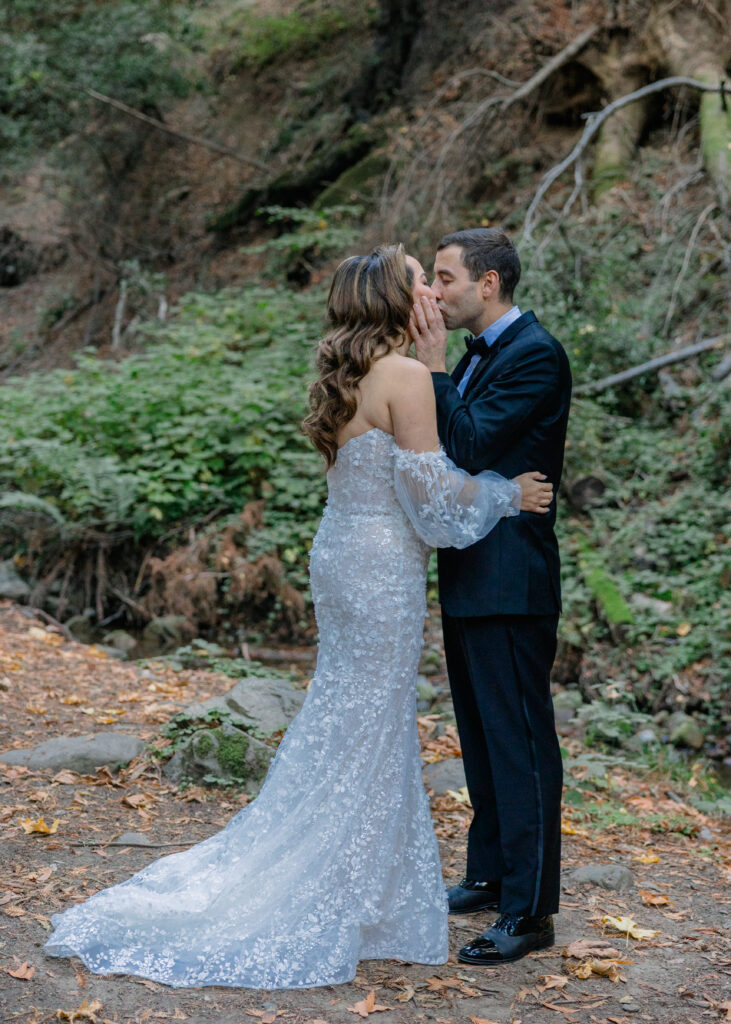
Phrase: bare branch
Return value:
(594, 122)
(594, 387)
(686, 261)
(196, 140)
(504, 102)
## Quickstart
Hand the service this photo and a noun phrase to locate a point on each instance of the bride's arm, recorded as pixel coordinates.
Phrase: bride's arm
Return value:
(447, 507)
(413, 407)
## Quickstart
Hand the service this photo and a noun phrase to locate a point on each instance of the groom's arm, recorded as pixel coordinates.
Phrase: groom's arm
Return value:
(503, 409)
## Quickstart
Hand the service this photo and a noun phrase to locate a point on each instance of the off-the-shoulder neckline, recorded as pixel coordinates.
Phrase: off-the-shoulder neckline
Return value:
(370, 430)
(377, 430)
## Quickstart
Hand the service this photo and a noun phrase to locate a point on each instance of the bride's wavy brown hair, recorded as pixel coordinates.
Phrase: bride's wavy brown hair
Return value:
(368, 312)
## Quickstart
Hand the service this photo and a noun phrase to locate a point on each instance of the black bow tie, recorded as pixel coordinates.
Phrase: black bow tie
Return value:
(476, 346)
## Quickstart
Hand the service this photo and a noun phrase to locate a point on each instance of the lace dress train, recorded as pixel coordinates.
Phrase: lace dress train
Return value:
(336, 860)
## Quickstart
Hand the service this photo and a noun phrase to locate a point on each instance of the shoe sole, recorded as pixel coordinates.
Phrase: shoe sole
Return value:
(473, 910)
(544, 944)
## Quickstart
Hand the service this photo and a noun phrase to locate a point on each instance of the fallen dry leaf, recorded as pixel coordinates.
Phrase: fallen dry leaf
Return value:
(87, 1011)
(55, 639)
(551, 981)
(604, 968)
(647, 858)
(653, 899)
(629, 927)
(136, 800)
(460, 795)
(13, 911)
(483, 1020)
(38, 825)
(367, 1006)
(590, 947)
(25, 972)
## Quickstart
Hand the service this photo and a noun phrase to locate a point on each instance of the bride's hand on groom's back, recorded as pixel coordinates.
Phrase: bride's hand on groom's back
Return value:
(536, 493)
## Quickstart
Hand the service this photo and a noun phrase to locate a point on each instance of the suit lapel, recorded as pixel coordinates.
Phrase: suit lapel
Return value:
(482, 370)
(460, 368)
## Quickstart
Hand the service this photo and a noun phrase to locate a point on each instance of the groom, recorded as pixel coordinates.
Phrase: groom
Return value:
(504, 408)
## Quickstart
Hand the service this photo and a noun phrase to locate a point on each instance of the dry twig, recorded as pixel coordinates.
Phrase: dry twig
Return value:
(196, 140)
(594, 387)
(594, 123)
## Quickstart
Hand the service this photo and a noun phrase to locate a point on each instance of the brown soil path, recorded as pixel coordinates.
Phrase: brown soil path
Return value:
(679, 858)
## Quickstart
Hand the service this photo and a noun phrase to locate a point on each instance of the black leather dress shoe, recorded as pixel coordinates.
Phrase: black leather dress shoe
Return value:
(470, 895)
(510, 938)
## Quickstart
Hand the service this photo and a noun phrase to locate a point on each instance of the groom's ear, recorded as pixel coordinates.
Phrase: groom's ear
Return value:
(490, 284)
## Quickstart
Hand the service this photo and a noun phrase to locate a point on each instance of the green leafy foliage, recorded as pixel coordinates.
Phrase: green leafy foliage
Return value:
(54, 50)
(206, 419)
(265, 38)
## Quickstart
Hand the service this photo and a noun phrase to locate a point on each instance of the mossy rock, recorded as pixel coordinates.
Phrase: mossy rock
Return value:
(221, 755)
(357, 183)
(300, 185)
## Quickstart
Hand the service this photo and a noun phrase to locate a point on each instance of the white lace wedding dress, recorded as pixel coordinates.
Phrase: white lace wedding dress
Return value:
(336, 860)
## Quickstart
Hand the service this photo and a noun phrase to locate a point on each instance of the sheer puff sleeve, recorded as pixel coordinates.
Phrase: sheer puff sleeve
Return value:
(446, 506)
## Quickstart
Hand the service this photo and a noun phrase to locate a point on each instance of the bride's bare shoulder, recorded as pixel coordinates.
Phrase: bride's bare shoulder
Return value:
(404, 368)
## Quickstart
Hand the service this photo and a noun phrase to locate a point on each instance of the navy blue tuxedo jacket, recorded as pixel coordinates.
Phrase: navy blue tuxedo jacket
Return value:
(512, 419)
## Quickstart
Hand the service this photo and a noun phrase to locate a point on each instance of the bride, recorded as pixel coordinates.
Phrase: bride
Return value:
(336, 860)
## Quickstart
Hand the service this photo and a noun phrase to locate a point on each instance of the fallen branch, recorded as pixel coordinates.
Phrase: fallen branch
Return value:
(594, 123)
(503, 102)
(653, 364)
(196, 140)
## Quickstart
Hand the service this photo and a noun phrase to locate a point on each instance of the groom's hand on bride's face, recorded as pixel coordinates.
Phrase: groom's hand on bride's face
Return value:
(429, 334)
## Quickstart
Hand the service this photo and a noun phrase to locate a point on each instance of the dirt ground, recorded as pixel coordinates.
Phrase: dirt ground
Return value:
(679, 971)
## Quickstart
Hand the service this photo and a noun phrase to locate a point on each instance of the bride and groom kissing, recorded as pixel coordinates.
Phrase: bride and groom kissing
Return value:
(336, 860)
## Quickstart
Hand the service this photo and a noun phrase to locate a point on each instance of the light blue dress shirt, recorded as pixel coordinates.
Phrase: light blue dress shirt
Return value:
(490, 334)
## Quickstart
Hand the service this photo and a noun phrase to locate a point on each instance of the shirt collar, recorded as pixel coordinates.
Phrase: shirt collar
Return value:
(493, 332)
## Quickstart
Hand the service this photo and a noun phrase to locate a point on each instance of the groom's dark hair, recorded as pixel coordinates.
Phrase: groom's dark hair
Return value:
(486, 249)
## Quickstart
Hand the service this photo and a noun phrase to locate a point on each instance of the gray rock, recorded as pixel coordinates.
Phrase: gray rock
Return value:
(568, 699)
(113, 652)
(121, 640)
(660, 609)
(81, 754)
(261, 705)
(165, 633)
(426, 693)
(642, 740)
(224, 754)
(608, 876)
(705, 835)
(684, 731)
(80, 628)
(11, 585)
(443, 775)
(431, 663)
(133, 839)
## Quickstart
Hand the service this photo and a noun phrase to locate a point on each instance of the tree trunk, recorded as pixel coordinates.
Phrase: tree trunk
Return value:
(619, 75)
(692, 48)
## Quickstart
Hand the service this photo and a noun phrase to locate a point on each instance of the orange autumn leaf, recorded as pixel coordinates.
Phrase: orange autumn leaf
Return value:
(25, 972)
(647, 858)
(653, 899)
(38, 825)
(87, 1011)
(136, 800)
(14, 911)
(367, 1006)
